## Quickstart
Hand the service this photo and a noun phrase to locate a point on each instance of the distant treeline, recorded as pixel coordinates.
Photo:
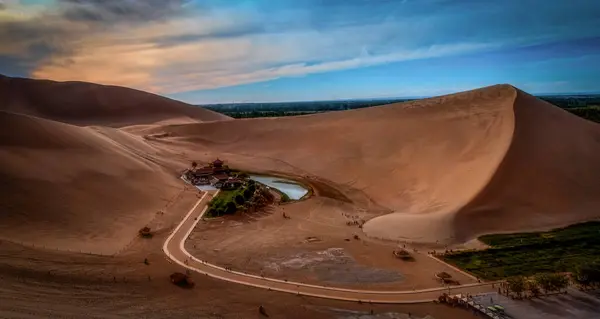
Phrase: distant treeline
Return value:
(591, 113)
(280, 113)
(586, 106)
(572, 101)
(248, 110)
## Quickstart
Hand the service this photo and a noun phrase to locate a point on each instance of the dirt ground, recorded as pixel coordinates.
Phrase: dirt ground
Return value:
(315, 245)
(42, 283)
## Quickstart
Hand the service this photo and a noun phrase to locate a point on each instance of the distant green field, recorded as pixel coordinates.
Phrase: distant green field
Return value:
(559, 250)
(591, 113)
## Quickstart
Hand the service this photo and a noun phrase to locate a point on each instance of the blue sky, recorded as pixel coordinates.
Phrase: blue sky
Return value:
(216, 51)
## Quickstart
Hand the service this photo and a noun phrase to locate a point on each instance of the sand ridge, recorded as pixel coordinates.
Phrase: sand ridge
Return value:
(438, 170)
(74, 188)
(549, 176)
(433, 161)
(82, 103)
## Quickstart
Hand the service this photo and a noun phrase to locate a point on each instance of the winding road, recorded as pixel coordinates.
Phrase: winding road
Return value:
(175, 250)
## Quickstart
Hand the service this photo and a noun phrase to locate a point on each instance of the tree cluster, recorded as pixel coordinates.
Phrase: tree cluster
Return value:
(586, 106)
(587, 275)
(591, 113)
(251, 197)
(311, 106)
(220, 206)
(548, 282)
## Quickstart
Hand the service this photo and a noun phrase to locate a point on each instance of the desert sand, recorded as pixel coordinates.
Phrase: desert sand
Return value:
(77, 188)
(83, 103)
(84, 166)
(446, 169)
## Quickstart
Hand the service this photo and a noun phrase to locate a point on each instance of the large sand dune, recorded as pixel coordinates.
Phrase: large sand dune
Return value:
(83, 103)
(77, 188)
(550, 175)
(448, 168)
(444, 169)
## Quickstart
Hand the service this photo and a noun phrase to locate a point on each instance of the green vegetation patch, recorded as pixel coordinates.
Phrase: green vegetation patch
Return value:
(285, 198)
(591, 113)
(526, 254)
(229, 201)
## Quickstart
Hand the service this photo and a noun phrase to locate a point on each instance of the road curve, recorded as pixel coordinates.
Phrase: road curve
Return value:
(174, 249)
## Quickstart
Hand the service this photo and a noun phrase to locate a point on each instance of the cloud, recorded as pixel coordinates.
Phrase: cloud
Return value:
(29, 41)
(218, 30)
(121, 11)
(200, 79)
(5, 4)
(170, 46)
(36, 35)
(226, 54)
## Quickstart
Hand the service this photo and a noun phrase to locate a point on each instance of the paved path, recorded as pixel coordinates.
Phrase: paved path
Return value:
(174, 249)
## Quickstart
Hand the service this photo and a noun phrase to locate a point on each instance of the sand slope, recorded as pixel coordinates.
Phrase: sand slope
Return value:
(449, 168)
(444, 169)
(83, 103)
(550, 175)
(77, 188)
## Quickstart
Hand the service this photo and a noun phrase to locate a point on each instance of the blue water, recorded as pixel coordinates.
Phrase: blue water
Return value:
(293, 191)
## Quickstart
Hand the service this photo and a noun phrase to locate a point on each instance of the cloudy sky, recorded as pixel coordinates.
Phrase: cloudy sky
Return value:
(211, 51)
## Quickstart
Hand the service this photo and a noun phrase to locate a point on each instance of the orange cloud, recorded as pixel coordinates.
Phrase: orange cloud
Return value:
(181, 53)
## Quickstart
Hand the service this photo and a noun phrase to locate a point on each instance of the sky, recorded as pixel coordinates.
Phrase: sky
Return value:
(219, 51)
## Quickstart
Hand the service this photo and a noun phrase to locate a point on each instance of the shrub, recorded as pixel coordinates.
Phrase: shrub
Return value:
(239, 199)
(532, 286)
(248, 193)
(587, 274)
(551, 282)
(145, 232)
(181, 280)
(230, 208)
(516, 285)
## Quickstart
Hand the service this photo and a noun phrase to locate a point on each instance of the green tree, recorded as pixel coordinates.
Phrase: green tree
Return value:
(587, 275)
(533, 288)
(517, 285)
(551, 282)
(239, 199)
(247, 193)
(559, 281)
(543, 281)
(230, 208)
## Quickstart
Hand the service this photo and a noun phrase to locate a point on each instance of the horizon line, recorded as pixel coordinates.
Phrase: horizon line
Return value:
(389, 98)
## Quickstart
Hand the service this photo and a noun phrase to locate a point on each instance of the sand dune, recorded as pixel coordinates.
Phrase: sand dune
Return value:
(449, 168)
(548, 177)
(83, 103)
(76, 188)
(444, 169)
